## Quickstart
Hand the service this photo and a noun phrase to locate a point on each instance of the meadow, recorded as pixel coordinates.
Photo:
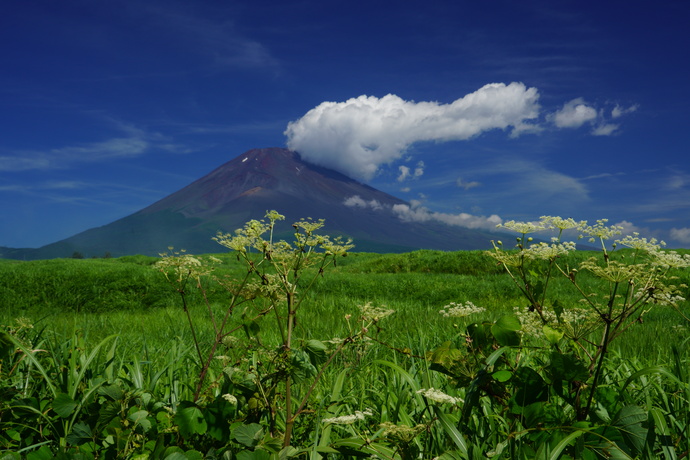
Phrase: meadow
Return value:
(315, 351)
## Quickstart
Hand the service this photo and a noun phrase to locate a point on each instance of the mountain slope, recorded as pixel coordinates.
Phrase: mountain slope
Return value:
(245, 188)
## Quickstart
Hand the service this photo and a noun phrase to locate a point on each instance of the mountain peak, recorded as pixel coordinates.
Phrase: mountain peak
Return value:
(245, 188)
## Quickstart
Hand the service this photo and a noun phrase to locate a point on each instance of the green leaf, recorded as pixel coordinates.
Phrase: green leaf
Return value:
(64, 405)
(249, 435)
(253, 455)
(316, 350)
(505, 331)
(113, 392)
(553, 335)
(451, 430)
(629, 421)
(190, 419)
(176, 456)
(661, 429)
(43, 453)
(530, 387)
(302, 368)
(141, 420)
(80, 434)
(565, 442)
(502, 376)
(10, 456)
(217, 415)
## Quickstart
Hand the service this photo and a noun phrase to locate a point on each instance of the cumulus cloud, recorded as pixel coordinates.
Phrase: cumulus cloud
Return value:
(574, 114)
(577, 113)
(406, 172)
(682, 235)
(357, 201)
(359, 135)
(415, 212)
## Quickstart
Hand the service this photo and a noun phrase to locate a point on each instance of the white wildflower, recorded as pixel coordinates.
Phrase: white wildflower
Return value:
(545, 251)
(455, 310)
(230, 398)
(349, 419)
(522, 227)
(600, 231)
(439, 396)
(635, 242)
(561, 223)
(670, 259)
(371, 313)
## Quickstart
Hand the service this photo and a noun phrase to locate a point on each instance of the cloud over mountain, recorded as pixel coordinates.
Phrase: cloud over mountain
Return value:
(359, 135)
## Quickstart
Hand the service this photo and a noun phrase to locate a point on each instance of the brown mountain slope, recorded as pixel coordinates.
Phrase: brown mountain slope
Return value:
(245, 188)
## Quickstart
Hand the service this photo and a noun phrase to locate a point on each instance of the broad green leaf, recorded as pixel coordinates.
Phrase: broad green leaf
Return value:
(553, 335)
(253, 455)
(530, 387)
(302, 368)
(176, 456)
(505, 331)
(249, 435)
(190, 419)
(43, 453)
(316, 350)
(81, 433)
(502, 375)
(113, 392)
(140, 419)
(629, 421)
(64, 405)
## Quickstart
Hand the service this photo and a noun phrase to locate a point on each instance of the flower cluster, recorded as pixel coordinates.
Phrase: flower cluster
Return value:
(438, 396)
(533, 324)
(600, 231)
(230, 398)
(401, 432)
(349, 419)
(546, 251)
(375, 314)
(457, 310)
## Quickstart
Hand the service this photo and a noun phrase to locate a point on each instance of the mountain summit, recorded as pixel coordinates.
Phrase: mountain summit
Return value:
(244, 189)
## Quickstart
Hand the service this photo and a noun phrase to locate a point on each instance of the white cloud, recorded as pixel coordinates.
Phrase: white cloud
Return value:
(574, 114)
(134, 142)
(404, 173)
(419, 170)
(619, 111)
(359, 135)
(577, 112)
(605, 129)
(681, 235)
(461, 183)
(358, 202)
(417, 213)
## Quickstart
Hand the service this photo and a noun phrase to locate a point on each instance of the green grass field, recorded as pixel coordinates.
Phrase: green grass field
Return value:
(118, 332)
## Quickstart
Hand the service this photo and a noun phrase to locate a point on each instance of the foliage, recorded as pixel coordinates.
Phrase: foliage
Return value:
(269, 360)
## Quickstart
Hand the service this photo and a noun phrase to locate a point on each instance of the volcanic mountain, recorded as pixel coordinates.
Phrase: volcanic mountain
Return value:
(244, 189)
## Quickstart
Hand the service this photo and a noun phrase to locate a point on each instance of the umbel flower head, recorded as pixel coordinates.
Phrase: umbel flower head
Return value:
(349, 419)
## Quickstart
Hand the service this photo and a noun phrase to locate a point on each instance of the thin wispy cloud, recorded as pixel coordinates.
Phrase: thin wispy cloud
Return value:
(137, 142)
(219, 40)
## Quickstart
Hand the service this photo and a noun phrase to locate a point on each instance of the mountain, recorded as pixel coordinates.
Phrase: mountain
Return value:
(244, 189)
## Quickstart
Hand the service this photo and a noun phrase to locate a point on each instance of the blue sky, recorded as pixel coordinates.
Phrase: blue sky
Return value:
(475, 112)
